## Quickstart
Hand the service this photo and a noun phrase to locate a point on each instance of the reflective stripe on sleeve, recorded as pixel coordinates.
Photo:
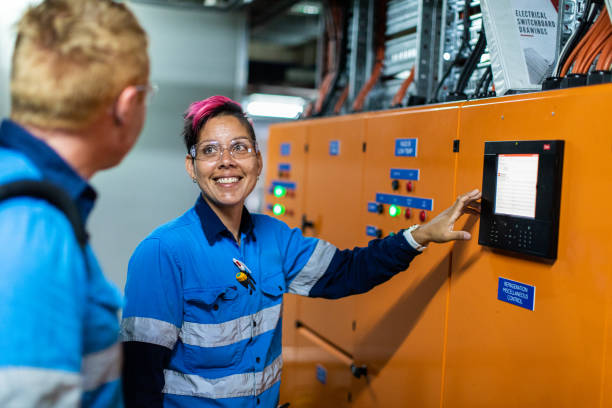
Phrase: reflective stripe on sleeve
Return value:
(149, 330)
(37, 387)
(232, 386)
(314, 269)
(232, 331)
(101, 367)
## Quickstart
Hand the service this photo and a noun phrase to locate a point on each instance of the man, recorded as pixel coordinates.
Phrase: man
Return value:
(79, 80)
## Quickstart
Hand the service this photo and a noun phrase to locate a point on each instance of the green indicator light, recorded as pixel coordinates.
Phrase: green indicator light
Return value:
(280, 191)
(394, 210)
(278, 209)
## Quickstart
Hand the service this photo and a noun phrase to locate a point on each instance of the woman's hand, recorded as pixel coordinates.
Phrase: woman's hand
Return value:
(440, 229)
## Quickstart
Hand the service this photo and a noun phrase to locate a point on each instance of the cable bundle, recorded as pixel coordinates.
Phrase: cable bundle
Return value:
(380, 57)
(588, 50)
(335, 58)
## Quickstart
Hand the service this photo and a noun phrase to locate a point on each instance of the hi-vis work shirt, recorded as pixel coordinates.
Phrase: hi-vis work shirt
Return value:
(196, 337)
(58, 322)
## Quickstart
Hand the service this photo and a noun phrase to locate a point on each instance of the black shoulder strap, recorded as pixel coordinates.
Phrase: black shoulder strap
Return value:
(52, 194)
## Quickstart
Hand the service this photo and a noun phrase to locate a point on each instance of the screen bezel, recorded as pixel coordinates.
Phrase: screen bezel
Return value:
(548, 195)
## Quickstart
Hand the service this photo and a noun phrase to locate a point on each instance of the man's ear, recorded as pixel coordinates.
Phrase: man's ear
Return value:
(128, 100)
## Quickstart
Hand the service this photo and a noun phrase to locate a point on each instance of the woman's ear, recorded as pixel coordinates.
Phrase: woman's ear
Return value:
(189, 166)
(259, 163)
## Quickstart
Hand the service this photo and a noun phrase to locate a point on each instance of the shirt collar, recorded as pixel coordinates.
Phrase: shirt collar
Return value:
(212, 225)
(52, 167)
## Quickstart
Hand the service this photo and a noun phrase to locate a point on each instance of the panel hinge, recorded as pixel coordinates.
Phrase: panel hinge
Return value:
(306, 148)
(456, 146)
(364, 146)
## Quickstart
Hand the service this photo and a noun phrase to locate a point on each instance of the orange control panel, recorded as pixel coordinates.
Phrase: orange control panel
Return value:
(466, 325)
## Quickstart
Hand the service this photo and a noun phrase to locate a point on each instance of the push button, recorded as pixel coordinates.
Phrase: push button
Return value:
(257, 359)
(407, 213)
(409, 187)
(422, 216)
(395, 185)
(380, 208)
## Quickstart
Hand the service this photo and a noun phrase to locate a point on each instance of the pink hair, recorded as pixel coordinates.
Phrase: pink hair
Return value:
(202, 109)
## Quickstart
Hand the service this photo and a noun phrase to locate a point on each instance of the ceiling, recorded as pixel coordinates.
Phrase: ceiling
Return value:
(283, 40)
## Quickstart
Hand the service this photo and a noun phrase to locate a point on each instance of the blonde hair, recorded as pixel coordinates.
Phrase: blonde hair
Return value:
(72, 59)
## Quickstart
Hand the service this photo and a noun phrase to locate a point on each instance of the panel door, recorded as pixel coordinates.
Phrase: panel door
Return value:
(400, 324)
(285, 165)
(334, 186)
(506, 356)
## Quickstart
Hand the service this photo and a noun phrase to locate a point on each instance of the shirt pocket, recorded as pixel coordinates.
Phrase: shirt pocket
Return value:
(211, 330)
(273, 288)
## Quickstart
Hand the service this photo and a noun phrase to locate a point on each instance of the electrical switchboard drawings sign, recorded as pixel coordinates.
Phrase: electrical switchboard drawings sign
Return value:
(406, 147)
(516, 293)
(517, 179)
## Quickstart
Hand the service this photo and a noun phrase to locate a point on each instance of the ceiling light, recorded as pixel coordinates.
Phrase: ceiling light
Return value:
(306, 7)
(275, 106)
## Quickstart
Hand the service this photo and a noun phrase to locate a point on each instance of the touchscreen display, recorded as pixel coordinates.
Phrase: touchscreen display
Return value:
(517, 178)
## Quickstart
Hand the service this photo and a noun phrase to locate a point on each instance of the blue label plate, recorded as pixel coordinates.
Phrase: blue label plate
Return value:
(334, 147)
(321, 374)
(406, 147)
(406, 201)
(284, 167)
(287, 184)
(371, 231)
(516, 293)
(285, 149)
(373, 207)
(405, 174)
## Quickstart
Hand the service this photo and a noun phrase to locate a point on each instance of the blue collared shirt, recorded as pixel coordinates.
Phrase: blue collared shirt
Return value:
(58, 318)
(196, 337)
(50, 165)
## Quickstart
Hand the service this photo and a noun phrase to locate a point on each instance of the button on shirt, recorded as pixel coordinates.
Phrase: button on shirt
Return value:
(195, 336)
(59, 326)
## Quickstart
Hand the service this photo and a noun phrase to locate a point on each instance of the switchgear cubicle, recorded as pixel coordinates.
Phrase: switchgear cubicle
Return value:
(484, 322)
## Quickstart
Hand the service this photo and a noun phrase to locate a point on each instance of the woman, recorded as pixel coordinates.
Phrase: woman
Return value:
(202, 321)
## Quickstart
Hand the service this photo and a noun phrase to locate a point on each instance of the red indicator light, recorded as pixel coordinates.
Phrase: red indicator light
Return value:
(422, 216)
(547, 146)
(407, 213)
(409, 186)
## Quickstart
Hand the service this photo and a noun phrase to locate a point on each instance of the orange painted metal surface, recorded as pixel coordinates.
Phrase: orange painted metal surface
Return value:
(334, 206)
(293, 137)
(400, 324)
(502, 355)
(436, 335)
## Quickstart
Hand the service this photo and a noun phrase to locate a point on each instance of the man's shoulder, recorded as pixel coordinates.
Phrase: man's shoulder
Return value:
(15, 166)
(27, 222)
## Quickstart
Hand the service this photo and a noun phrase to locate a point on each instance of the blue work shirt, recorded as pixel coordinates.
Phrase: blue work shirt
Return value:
(58, 321)
(197, 337)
